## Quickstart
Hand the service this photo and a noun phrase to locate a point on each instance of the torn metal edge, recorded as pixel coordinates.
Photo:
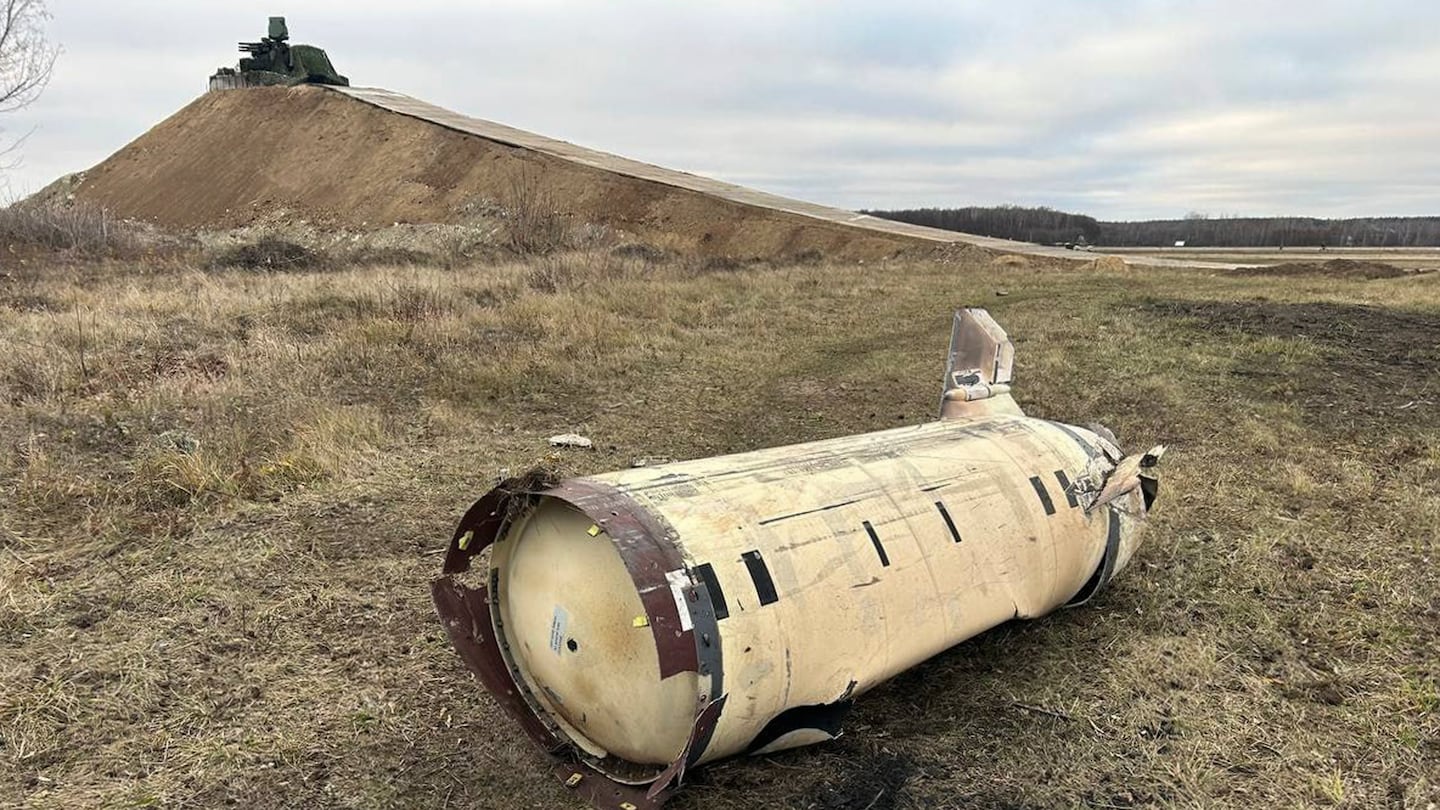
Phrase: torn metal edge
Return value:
(603, 792)
(653, 558)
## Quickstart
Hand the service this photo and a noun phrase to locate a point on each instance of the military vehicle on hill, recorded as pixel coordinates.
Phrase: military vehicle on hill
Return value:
(274, 61)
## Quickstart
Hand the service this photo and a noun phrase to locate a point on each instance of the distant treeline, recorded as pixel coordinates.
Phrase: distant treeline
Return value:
(1048, 226)
(1043, 225)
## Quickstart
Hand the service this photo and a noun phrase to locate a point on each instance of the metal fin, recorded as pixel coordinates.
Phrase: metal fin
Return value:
(979, 367)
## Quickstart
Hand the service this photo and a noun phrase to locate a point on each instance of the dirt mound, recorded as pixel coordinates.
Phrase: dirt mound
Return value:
(1335, 268)
(228, 159)
(1109, 264)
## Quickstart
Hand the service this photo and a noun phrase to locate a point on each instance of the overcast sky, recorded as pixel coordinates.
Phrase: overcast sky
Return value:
(1120, 109)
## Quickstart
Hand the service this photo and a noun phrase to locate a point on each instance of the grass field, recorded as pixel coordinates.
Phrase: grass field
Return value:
(223, 494)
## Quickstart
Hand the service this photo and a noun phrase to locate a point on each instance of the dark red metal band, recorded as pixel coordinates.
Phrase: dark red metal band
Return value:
(649, 549)
(465, 613)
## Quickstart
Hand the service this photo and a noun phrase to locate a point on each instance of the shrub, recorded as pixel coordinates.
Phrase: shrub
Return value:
(82, 228)
(395, 256)
(269, 253)
(720, 264)
(532, 223)
(550, 275)
(641, 251)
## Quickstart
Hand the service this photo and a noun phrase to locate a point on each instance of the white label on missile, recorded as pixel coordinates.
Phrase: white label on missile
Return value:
(678, 580)
(558, 623)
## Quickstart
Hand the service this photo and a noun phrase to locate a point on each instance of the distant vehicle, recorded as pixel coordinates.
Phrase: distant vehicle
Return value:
(1179, 243)
(273, 61)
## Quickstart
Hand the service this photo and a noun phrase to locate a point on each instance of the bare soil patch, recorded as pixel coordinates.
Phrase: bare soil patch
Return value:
(1335, 268)
(1375, 361)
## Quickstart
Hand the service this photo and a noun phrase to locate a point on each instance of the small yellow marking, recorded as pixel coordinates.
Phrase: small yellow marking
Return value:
(626, 806)
(641, 621)
(593, 531)
(465, 539)
(573, 780)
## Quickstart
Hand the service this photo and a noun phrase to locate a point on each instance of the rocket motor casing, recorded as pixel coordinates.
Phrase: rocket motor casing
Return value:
(881, 550)
(831, 566)
(656, 618)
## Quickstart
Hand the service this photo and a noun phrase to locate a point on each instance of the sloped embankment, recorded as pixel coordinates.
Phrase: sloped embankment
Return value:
(229, 159)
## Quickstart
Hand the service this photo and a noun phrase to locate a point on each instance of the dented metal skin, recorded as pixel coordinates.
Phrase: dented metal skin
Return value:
(644, 621)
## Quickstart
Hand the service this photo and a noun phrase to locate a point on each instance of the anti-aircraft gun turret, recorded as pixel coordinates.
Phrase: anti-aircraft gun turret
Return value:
(274, 61)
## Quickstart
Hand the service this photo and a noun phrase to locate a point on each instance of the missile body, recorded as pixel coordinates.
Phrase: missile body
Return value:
(645, 621)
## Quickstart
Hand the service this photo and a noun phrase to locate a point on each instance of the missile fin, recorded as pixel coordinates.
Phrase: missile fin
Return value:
(978, 368)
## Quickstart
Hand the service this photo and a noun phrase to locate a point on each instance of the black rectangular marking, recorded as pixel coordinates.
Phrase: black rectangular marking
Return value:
(717, 595)
(760, 575)
(949, 524)
(1043, 493)
(879, 547)
(1066, 488)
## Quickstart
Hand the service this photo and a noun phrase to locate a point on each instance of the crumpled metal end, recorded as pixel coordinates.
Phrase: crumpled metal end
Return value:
(1128, 474)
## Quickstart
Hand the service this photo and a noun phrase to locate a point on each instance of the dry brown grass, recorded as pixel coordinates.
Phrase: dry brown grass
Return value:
(222, 495)
(70, 227)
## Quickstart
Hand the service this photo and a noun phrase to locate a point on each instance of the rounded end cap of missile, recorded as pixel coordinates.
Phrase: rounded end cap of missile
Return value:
(580, 638)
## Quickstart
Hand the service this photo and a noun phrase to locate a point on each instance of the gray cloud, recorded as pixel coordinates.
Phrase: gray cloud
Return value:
(1130, 108)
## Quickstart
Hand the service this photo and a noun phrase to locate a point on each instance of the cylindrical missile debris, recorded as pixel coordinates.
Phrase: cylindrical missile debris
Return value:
(642, 622)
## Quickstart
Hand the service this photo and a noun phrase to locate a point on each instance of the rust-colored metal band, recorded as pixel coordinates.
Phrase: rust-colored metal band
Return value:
(603, 792)
(650, 551)
(485, 519)
(465, 611)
